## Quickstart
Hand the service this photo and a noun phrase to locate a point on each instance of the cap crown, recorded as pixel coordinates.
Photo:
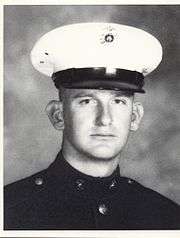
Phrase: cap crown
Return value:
(94, 45)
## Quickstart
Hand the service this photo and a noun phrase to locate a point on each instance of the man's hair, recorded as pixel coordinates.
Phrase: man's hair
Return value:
(60, 92)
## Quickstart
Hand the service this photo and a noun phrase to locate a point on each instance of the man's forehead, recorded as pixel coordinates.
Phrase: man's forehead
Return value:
(75, 93)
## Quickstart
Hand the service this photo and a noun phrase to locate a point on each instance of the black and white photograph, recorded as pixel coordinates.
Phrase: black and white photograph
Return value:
(91, 117)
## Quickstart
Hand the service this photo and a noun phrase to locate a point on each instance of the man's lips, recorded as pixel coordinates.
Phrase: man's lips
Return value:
(102, 135)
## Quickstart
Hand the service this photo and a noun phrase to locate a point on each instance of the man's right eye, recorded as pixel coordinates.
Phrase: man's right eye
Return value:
(85, 101)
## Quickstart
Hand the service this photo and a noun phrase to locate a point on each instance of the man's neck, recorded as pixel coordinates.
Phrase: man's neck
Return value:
(91, 166)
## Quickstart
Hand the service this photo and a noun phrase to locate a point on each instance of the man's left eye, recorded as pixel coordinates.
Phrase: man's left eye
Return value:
(120, 101)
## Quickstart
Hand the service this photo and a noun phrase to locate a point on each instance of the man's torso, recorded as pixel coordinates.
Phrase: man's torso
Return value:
(62, 198)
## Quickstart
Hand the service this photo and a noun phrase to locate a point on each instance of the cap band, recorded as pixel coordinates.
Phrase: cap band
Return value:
(99, 78)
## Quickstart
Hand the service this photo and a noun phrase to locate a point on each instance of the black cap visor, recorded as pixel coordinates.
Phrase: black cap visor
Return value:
(97, 78)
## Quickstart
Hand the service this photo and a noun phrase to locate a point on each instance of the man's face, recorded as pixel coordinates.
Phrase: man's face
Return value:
(97, 122)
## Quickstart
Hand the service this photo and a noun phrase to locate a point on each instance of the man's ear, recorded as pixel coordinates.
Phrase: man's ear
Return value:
(137, 114)
(54, 110)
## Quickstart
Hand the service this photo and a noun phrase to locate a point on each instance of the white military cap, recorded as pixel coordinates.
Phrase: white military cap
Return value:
(97, 55)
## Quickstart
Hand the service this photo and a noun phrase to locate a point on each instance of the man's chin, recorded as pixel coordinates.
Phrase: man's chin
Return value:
(103, 153)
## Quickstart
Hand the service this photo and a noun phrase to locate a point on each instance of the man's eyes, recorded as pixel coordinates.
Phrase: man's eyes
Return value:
(86, 101)
(120, 101)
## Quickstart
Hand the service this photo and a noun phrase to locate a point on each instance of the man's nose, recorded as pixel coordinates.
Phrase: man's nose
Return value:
(103, 117)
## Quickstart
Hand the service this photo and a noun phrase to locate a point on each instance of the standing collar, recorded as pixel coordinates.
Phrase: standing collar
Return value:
(67, 175)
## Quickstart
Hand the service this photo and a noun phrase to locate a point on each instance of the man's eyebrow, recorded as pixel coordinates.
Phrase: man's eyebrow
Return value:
(123, 93)
(80, 95)
(115, 93)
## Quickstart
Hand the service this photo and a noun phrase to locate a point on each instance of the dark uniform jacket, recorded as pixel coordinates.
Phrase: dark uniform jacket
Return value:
(61, 197)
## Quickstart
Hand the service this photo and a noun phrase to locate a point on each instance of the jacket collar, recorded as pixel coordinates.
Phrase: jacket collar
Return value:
(68, 177)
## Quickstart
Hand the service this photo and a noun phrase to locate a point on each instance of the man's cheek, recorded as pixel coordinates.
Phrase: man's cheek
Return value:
(123, 118)
(81, 120)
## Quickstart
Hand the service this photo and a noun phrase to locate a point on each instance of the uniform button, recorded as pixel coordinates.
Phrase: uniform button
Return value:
(130, 181)
(103, 209)
(113, 184)
(38, 181)
(80, 184)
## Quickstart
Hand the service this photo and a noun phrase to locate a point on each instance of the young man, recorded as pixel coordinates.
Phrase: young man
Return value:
(97, 68)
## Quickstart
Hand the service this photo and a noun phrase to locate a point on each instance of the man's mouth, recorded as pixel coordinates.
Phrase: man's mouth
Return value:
(102, 135)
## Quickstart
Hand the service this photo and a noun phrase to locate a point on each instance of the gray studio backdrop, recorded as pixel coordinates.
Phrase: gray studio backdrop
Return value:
(152, 155)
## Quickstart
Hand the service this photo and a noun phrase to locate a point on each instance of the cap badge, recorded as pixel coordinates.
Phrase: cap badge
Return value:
(108, 36)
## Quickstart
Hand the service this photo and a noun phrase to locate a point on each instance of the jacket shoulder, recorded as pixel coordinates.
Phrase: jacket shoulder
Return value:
(150, 207)
(24, 189)
(150, 196)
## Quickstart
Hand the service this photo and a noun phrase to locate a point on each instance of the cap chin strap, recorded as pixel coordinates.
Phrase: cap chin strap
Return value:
(99, 78)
